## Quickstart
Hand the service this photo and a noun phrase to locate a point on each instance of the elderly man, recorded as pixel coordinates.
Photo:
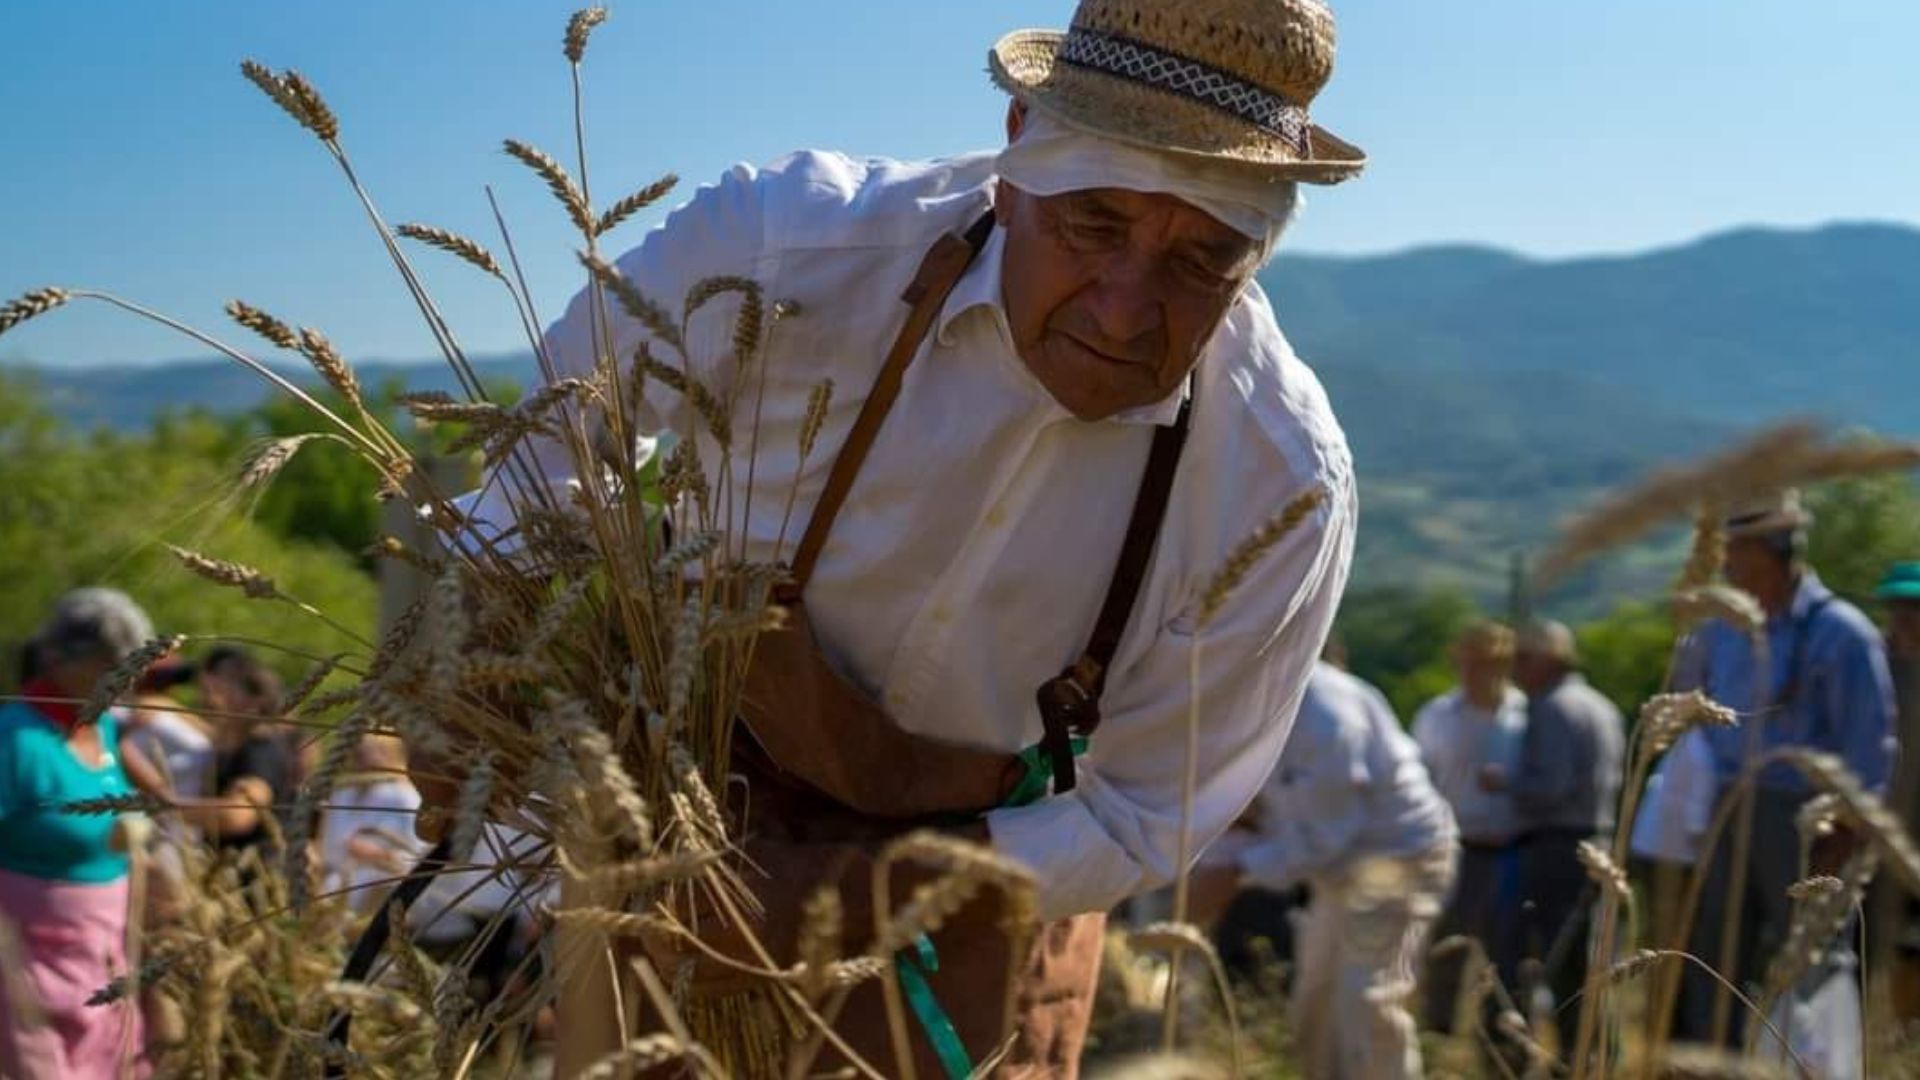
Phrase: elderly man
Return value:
(1825, 688)
(1470, 739)
(1350, 812)
(1566, 788)
(1043, 454)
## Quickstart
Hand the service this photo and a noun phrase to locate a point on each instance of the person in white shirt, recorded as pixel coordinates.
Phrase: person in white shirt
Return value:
(1095, 346)
(1471, 739)
(1350, 811)
(367, 836)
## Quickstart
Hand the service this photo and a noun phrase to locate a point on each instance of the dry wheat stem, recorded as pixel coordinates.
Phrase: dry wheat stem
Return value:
(452, 243)
(558, 182)
(273, 330)
(376, 455)
(1761, 463)
(579, 28)
(1725, 603)
(634, 203)
(650, 315)
(1240, 562)
(114, 685)
(1709, 551)
(265, 460)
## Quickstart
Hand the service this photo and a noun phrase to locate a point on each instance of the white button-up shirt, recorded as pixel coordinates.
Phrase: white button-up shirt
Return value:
(1459, 739)
(1349, 786)
(974, 551)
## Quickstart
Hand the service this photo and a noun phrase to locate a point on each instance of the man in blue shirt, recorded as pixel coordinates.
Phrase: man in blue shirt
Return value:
(1825, 687)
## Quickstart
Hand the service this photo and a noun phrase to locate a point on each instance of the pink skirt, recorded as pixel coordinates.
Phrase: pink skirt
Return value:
(73, 941)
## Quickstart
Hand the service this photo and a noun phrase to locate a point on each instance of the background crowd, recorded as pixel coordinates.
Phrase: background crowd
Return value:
(1386, 869)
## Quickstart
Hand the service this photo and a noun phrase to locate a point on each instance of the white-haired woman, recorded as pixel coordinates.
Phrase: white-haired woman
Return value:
(63, 876)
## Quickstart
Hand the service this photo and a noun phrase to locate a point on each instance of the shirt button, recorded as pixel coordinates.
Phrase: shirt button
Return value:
(997, 516)
(943, 614)
(896, 699)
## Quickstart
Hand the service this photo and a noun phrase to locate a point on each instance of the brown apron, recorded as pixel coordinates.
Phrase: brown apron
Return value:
(824, 764)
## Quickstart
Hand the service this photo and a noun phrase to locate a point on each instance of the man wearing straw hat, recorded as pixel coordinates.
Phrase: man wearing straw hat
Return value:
(1031, 469)
(1824, 686)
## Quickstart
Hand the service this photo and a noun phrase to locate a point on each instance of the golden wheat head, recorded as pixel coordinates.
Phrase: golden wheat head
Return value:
(558, 182)
(33, 304)
(454, 244)
(579, 28)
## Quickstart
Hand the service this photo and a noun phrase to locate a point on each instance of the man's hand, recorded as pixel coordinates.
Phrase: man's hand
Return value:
(1493, 777)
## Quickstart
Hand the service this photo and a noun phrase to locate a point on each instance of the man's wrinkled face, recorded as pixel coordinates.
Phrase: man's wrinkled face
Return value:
(1112, 294)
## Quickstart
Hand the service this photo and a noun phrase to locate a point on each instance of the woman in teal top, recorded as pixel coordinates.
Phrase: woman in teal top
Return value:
(63, 884)
(43, 771)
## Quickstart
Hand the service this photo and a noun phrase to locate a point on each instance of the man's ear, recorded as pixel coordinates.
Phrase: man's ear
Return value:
(1016, 119)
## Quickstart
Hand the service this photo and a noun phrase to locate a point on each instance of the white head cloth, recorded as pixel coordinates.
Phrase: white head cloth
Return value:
(1051, 158)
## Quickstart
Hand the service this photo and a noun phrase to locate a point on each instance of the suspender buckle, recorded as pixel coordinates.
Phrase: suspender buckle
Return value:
(1069, 709)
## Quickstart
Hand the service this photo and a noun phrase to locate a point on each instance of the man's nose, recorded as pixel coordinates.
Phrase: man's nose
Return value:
(1124, 301)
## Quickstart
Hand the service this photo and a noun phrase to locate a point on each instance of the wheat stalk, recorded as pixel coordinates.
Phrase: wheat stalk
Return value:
(332, 367)
(1240, 562)
(821, 924)
(1723, 602)
(232, 575)
(636, 303)
(453, 244)
(115, 683)
(319, 119)
(267, 457)
(131, 803)
(28, 306)
(579, 28)
(1603, 871)
(1708, 553)
(558, 182)
(634, 203)
(1666, 717)
(276, 332)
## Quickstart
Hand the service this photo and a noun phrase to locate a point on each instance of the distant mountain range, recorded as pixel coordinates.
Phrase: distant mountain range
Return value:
(1485, 394)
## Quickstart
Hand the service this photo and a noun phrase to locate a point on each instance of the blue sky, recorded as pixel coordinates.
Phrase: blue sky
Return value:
(136, 159)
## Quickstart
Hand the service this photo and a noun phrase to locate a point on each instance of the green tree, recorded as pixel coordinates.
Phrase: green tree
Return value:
(99, 511)
(1861, 525)
(1397, 638)
(1625, 653)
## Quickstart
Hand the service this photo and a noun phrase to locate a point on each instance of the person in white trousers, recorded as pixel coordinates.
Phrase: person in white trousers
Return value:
(1351, 812)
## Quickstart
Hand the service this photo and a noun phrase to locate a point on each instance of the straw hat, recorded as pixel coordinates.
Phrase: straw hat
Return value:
(1224, 79)
(1777, 513)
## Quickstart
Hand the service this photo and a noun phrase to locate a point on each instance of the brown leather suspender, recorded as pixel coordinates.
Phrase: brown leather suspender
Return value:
(939, 272)
(1070, 702)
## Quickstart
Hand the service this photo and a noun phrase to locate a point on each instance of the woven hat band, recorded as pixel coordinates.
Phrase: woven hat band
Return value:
(1137, 61)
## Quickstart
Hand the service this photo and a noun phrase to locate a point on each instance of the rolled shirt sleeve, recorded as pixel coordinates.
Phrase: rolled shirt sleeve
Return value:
(1118, 832)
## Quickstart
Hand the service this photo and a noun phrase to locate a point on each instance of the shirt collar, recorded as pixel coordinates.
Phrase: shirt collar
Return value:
(979, 288)
(1809, 592)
